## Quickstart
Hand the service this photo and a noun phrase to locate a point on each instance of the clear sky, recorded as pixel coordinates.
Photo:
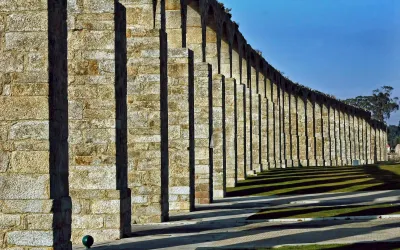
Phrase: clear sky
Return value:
(341, 47)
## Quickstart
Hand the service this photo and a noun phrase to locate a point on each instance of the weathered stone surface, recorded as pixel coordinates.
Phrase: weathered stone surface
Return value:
(30, 238)
(16, 186)
(9, 221)
(35, 162)
(29, 41)
(18, 108)
(27, 21)
(39, 221)
(26, 206)
(37, 130)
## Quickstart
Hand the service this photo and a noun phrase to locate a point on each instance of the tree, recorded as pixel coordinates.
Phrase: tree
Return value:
(393, 135)
(381, 104)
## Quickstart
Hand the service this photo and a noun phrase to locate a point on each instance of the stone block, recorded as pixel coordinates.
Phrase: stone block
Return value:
(106, 207)
(179, 190)
(91, 40)
(19, 108)
(26, 206)
(33, 162)
(18, 186)
(4, 161)
(9, 221)
(27, 21)
(30, 238)
(28, 41)
(39, 221)
(11, 62)
(87, 221)
(92, 177)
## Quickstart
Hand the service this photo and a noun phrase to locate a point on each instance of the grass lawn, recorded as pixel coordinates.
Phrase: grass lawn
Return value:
(326, 211)
(310, 180)
(358, 246)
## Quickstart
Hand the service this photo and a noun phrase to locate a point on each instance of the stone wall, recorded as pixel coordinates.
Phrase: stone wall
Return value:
(117, 113)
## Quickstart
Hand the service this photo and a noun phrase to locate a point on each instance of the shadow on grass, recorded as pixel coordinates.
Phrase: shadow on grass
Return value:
(327, 211)
(381, 180)
(358, 246)
(309, 187)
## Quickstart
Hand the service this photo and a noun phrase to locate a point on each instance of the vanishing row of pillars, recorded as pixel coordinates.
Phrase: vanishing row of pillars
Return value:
(125, 112)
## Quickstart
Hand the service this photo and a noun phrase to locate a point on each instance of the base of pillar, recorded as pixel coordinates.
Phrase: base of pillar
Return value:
(251, 173)
(334, 163)
(303, 163)
(218, 194)
(272, 165)
(289, 163)
(282, 164)
(257, 168)
(43, 212)
(320, 163)
(312, 163)
(348, 162)
(327, 163)
(295, 163)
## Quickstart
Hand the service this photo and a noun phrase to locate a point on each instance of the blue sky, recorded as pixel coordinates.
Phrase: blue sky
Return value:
(341, 47)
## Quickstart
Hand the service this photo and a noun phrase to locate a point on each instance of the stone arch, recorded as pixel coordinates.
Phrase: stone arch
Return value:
(193, 29)
(210, 38)
(235, 65)
(226, 51)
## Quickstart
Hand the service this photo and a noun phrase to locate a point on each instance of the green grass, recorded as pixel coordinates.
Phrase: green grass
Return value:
(357, 246)
(326, 211)
(311, 180)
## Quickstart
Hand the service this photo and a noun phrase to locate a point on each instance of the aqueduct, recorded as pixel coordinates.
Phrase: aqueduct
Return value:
(115, 113)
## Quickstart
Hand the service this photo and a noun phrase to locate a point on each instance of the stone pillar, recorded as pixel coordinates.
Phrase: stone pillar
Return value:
(263, 123)
(247, 119)
(181, 130)
(225, 56)
(319, 145)
(239, 115)
(342, 138)
(356, 139)
(147, 107)
(203, 130)
(373, 142)
(98, 120)
(287, 131)
(362, 141)
(219, 170)
(174, 25)
(229, 126)
(311, 132)
(277, 135)
(211, 42)
(302, 130)
(271, 125)
(281, 124)
(347, 157)
(294, 129)
(35, 205)
(326, 135)
(369, 142)
(241, 131)
(254, 121)
(352, 138)
(378, 143)
(194, 39)
(337, 136)
(333, 137)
